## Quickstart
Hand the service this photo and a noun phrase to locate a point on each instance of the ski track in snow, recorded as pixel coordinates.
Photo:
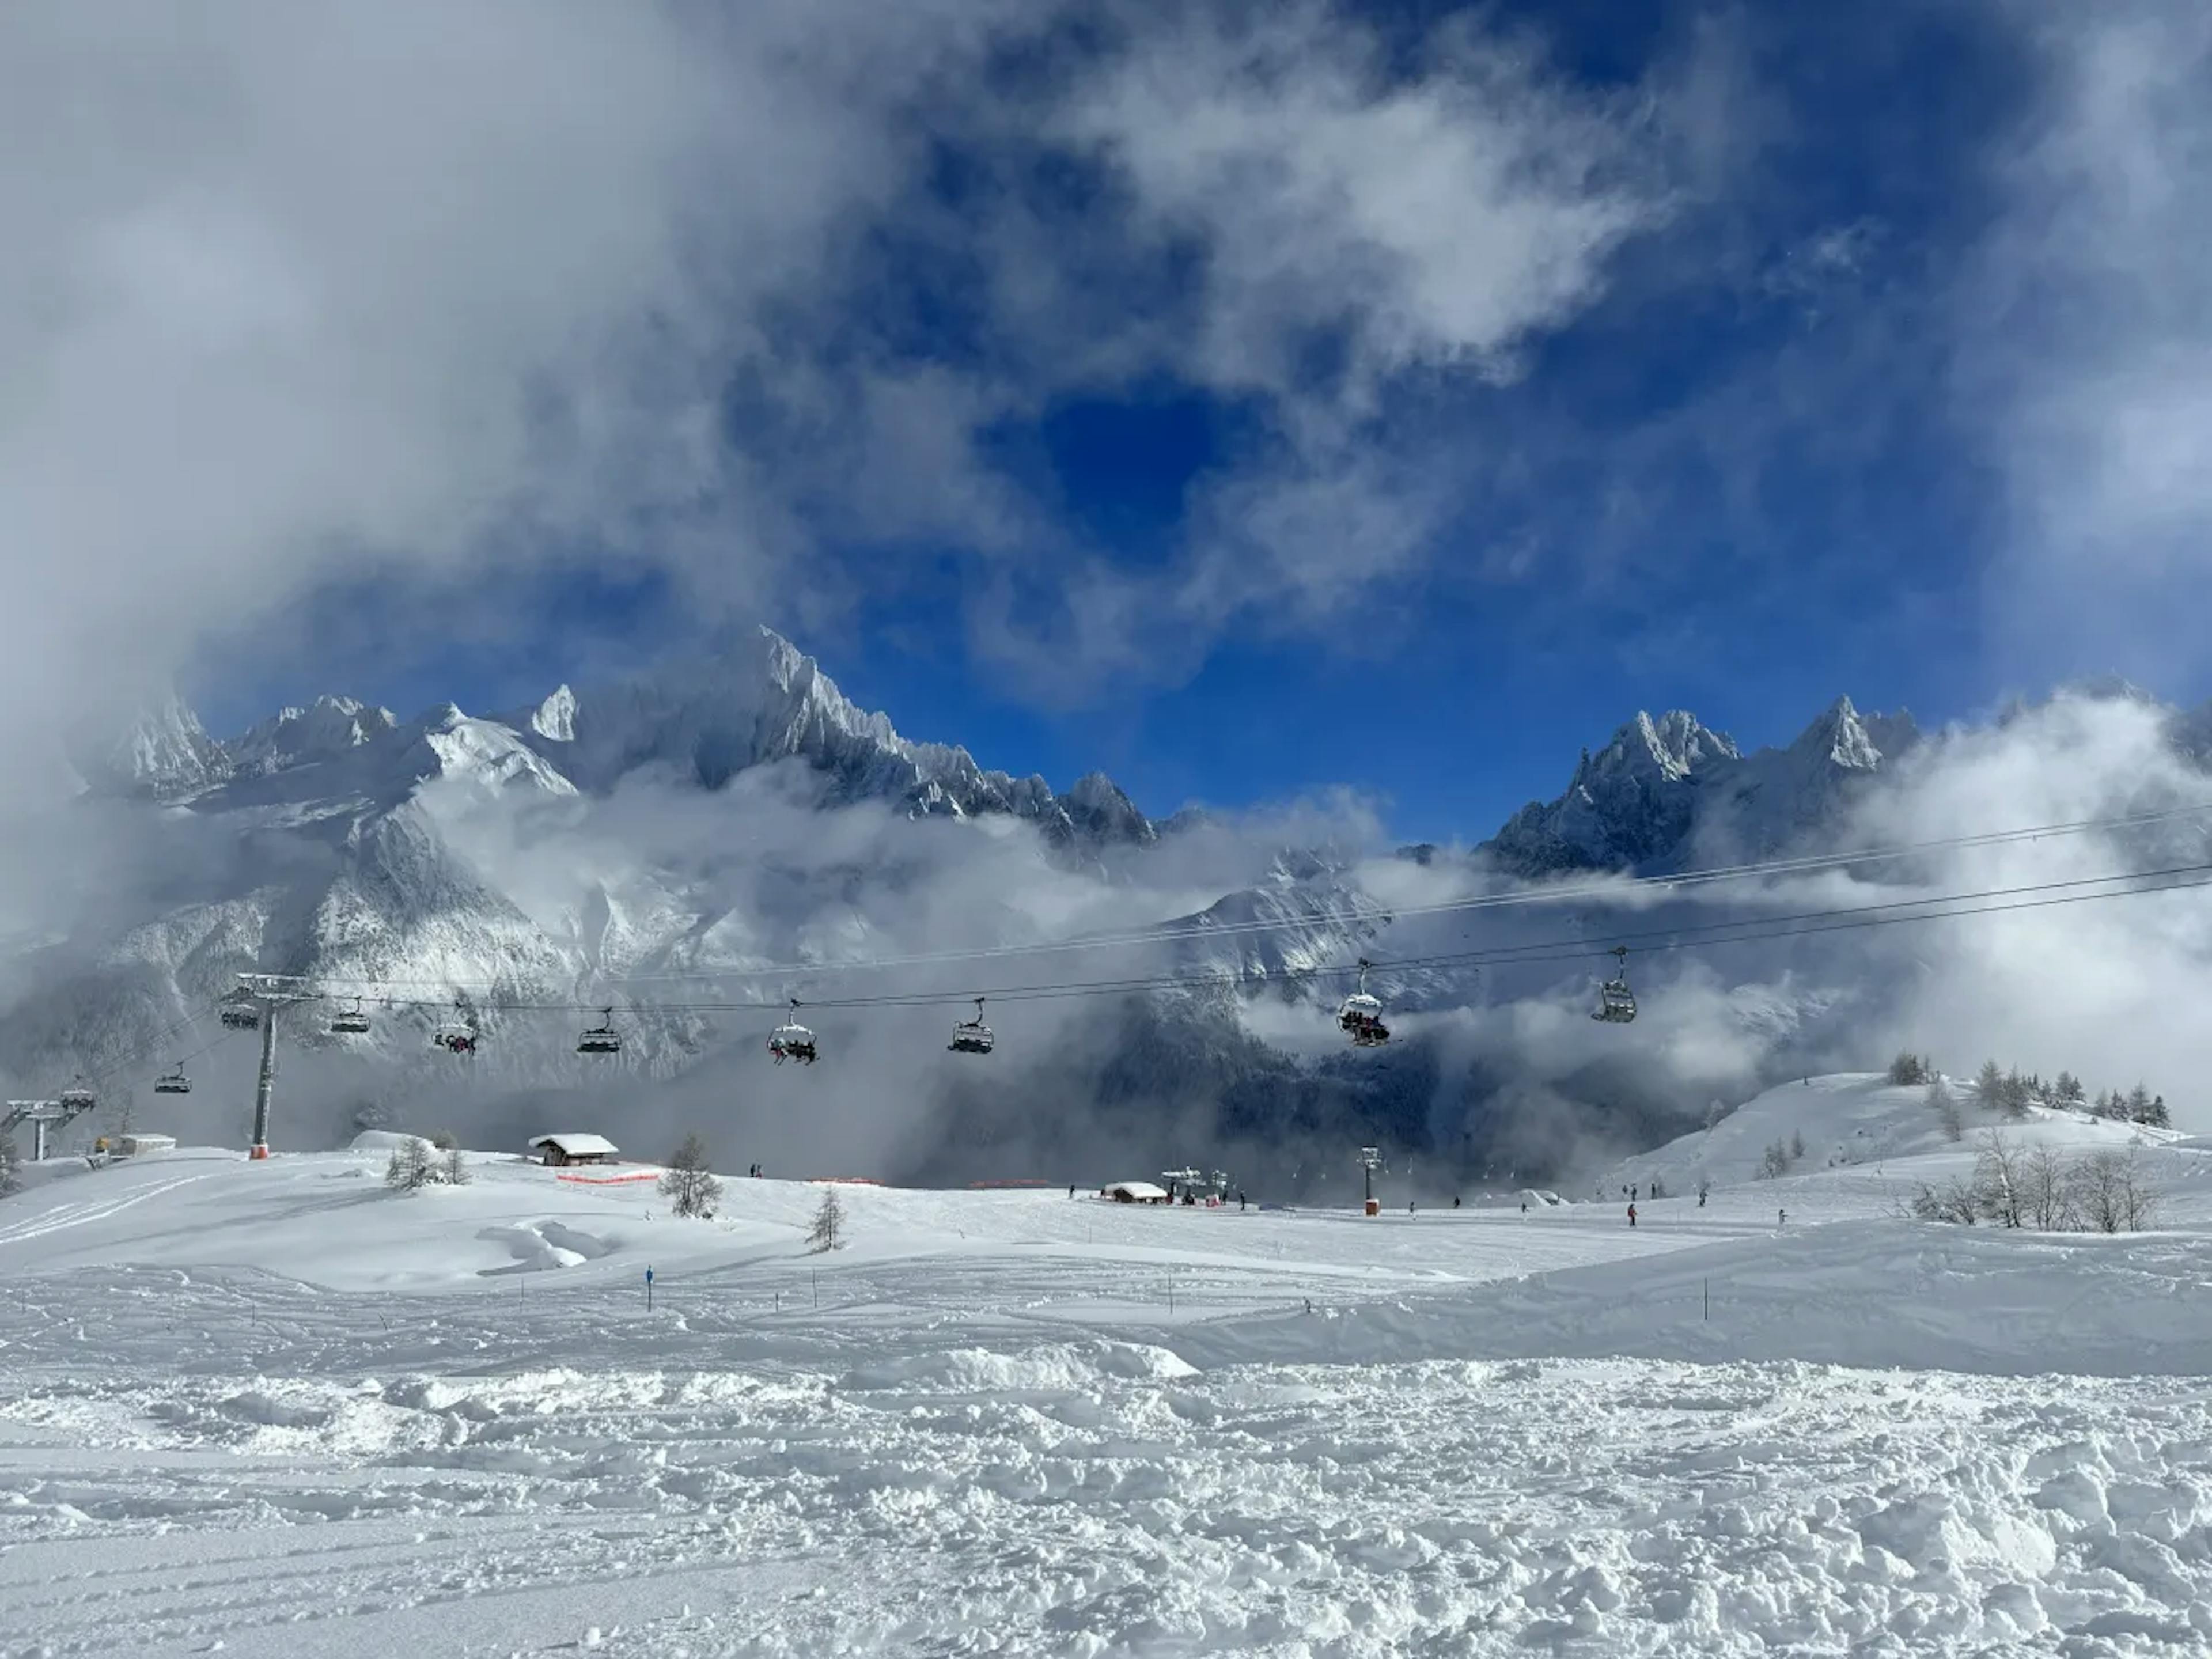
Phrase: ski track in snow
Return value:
(983, 1430)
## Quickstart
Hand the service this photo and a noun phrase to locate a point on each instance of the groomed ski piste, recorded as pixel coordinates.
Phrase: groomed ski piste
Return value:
(276, 1409)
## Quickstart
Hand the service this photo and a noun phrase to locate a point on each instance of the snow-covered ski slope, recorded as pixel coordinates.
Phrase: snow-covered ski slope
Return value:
(276, 1408)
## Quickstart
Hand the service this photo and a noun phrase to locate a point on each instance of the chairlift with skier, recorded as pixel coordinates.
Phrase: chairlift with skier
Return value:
(1361, 1016)
(457, 1036)
(791, 1040)
(1616, 1003)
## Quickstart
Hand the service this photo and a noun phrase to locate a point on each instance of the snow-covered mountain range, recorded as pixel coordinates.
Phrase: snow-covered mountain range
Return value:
(761, 702)
(528, 857)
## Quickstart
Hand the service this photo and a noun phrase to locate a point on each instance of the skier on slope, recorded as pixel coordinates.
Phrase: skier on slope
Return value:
(1631, 1213)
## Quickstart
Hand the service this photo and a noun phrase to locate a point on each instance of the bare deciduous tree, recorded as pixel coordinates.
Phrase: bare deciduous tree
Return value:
(687, 1185)
(2046, 1196)
(410, 1166)
(2095, 1183)
(1997, 1180)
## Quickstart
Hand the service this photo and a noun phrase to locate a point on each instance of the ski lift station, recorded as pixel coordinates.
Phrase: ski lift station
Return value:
(560, 1150)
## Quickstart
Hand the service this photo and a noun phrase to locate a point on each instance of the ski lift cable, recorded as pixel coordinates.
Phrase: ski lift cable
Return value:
(2032, 895)
(2036, 897)
(1614, 887)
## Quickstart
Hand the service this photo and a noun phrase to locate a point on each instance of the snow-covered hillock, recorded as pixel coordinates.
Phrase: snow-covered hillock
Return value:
(1849, 1121)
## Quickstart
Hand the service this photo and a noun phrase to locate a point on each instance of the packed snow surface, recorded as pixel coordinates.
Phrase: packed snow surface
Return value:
(276, 1409)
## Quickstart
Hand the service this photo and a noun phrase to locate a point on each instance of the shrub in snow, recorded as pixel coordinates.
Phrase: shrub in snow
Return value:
(1955, 1201)
(1990, 1088)
(1945, 1105)
(1908, 1069)
(11, 1166)
(687, 1185)
(2107, 1192)
(828, 1231)
(2112, 1193)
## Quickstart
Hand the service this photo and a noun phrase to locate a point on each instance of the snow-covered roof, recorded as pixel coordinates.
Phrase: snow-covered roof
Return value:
(1137, 1188)
(575, 1146)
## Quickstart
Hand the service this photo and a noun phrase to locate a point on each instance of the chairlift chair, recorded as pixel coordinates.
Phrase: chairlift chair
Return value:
(1361, 1016)
(791, 1040)
(601, 1039)
(78, 1097)
(350, 1022)
(241, 1012)
(1616, 1003)
(971, 1036)
(174, 1083)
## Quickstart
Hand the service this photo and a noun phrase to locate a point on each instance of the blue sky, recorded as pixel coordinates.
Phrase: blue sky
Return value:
(1250, 403)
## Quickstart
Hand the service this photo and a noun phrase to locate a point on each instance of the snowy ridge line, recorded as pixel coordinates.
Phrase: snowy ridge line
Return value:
(1612, 887)
(1669, 939)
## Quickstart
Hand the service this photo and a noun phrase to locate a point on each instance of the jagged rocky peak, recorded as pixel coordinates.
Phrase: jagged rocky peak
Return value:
(1665, 788)
(1859, 743)
(760, 700)
(1628, 805)
(163, 753)
(1677, 745)
(555, 718)
(1096, 806)
(328, 728)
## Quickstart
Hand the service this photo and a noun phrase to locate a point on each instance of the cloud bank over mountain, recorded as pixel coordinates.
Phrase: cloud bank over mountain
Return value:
(695, 850)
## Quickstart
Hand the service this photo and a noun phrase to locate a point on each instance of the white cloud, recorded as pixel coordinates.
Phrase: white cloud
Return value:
(1436, 218)
(298, 298)
(2087, 326)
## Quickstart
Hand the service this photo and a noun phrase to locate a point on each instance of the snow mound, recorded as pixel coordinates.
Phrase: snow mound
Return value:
(384, 1140)
(541, 1246)
(1849, 1121)
(1053, 1369)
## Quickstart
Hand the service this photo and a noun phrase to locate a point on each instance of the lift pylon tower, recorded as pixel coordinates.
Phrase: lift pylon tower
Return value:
(1370, 1160)
(270, 993)
(41, 1115)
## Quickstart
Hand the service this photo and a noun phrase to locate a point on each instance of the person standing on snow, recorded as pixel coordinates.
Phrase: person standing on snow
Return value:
(1631, 1213)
